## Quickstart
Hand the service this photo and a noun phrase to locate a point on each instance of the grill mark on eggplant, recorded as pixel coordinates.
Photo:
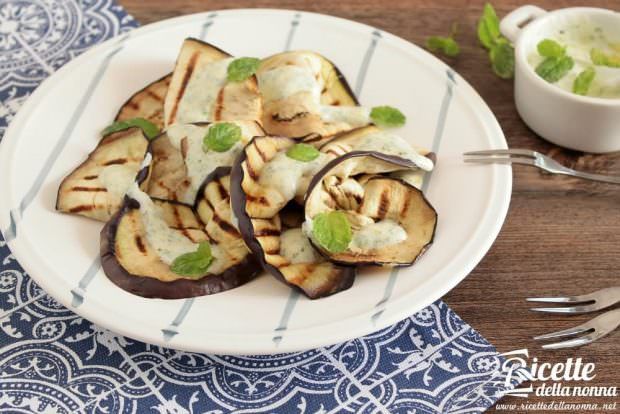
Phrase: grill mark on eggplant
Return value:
(133, 105)
(260, 200)
(224, 225)
(140, 243)
(179, 223)
(278, 118)
(405, 207)
(222, 190)
(219, 105)
(272, 252)
(89, 189)
(267, 233)
(260, 152)
(154, 95)
(90, 177)
(384, 203)
(79, 209)
(188, 74)
(116, 161)
(251, 172)
(313, 138)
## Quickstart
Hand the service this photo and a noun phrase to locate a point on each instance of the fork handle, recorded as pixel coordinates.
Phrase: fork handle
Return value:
(592, 177)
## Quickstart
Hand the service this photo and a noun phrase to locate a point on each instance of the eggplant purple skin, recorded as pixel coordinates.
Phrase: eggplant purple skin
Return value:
(219, 172)
(343, 81)
(238, 201)
(383, 157)
(149, 287)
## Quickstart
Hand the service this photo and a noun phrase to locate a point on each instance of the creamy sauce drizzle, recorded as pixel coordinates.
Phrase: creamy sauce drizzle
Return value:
(290, 177)
(383, 233)
(117, 179)
(296, 248)
(199, 163)
(391, 144)
(284, 81)
(198, 101)
(168, 243)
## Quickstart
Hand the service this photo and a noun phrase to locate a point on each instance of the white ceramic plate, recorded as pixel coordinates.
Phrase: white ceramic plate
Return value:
(60, 124)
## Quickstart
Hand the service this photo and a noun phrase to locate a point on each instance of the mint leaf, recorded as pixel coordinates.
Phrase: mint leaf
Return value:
(502, 56)
(302, 152)
(221, 137)
(387, 116)
(332, 231)
(552, 69)
(242, 68)
(149, 129)
(550, 48)
(601, 58)
(488, 27)
(582, 82)
(445, 45)
(193, 264)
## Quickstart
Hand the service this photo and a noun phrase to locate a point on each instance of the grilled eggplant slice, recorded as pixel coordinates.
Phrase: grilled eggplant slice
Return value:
(286, 253)
(270, 179)
(200, 92)
(372, 138)
(147, 103)
(304, 93)
(180, 165)
(132, 262)
(391, 221)
(96, 187)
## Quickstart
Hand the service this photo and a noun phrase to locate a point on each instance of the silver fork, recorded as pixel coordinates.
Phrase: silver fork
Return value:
(534, 159)
(587, 332)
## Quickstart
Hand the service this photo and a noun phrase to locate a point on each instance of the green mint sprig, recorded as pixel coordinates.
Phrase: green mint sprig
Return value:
(221, 137)
(581, 84)
(242, 68)
(332, 231)
(501, 52)
(149, 128)
(193, 264)
(446, 45)
(302, 152)
(387, 116)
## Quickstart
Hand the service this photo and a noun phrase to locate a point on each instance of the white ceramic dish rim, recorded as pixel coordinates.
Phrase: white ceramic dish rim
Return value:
(521, 54)
(297, 339)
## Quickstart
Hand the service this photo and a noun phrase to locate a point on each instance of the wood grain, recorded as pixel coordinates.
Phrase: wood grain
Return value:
(561, 235)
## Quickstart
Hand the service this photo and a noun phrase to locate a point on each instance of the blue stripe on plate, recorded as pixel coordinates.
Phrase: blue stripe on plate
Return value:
(439, 128)
(292, 30)
(171, 330)
(80, 291)
(11, 233)
(361, 76)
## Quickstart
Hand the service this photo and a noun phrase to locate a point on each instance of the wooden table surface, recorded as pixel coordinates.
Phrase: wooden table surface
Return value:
(561, 235)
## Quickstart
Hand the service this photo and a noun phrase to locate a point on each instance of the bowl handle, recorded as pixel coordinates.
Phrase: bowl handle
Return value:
(512, 24)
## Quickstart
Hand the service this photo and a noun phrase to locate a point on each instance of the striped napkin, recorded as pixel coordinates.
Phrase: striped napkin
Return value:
(53, 361)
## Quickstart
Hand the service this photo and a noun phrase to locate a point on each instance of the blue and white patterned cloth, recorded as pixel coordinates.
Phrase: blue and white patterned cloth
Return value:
(53, 361)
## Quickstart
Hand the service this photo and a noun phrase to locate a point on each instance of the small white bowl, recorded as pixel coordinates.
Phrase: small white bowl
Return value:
(573, 121)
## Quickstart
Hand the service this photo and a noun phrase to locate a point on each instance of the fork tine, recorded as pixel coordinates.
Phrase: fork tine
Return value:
(571, 343)
(524, 152)
(562, 299)
(492, 160)
(570, 309)
(580, 329)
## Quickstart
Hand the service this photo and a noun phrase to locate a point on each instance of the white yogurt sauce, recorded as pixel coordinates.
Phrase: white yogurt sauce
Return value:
(580, 37)
(391, 144)
(199, 163)
(201, 92)
(168, 243)
(285, 81)
(289, 176)
(296, 248)
(383, 233)
(117, 178)
(355, 116)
